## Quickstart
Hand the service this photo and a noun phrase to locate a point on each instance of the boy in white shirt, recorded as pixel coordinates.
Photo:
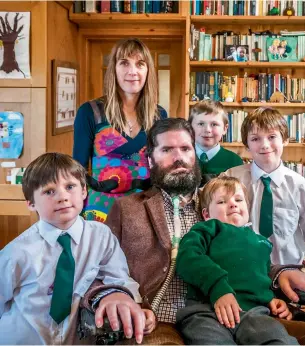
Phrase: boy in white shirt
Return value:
(277, 194)
(47, 269)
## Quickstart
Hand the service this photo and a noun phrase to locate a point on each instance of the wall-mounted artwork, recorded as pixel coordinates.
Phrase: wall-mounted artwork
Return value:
(65, 95)
(15, 45)
(11, 135)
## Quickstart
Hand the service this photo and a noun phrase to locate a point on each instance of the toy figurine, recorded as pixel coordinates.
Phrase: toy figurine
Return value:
(229, 97)
(195, 98)
(274, 12)
(289, 10)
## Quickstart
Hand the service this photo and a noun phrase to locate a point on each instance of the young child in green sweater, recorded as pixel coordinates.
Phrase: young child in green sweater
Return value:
(226, 265)
(210, 122)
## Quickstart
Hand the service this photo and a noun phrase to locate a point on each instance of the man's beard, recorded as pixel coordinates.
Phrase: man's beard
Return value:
(180, 183)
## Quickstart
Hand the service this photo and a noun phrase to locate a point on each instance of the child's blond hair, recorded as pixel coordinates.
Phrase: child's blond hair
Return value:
(209, 189)
(264, 118)
(209, 107)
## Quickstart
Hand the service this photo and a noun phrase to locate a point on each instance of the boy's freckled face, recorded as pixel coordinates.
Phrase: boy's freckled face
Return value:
(231, 209)
(59, 203)
(209, 129)
(266, 148)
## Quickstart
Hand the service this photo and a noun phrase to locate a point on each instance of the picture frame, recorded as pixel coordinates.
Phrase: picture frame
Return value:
(282, 48)
(65, 81)
(238, 53)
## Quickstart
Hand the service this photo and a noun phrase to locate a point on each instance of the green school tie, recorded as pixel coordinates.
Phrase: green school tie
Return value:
(63, 283)
(266, 215)
(204, 158)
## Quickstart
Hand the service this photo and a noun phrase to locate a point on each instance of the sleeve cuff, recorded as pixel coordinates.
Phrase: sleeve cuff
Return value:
(221, 288)
(97, 298)
(275, 284)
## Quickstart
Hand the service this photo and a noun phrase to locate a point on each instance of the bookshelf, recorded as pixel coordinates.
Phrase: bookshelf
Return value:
(241, 25)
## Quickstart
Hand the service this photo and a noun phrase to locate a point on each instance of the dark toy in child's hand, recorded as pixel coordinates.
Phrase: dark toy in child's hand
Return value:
(104, 335)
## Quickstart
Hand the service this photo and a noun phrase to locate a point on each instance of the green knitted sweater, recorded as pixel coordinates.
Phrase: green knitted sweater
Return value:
(217, 258)
(222, 161)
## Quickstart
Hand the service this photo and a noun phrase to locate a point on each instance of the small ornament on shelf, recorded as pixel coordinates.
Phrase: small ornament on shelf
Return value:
(289, 10)
(229, 97)
(195, 98)
(256, 50)
(274, 12)
(277, 97)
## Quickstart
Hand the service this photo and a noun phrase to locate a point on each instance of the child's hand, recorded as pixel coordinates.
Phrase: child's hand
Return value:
(150, 322)
(279, 308)
(227, 310)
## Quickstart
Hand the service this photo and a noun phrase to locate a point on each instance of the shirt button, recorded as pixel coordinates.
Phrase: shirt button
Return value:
(164, 269)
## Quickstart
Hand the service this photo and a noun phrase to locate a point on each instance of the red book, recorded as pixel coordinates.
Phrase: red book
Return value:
(105, 6)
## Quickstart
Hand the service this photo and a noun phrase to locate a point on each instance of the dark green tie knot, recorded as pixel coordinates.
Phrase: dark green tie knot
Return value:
(204, 158)
(65, 242)
(266, 181)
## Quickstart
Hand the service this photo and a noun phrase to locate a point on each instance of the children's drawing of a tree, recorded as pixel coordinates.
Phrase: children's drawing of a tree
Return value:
(8, 35)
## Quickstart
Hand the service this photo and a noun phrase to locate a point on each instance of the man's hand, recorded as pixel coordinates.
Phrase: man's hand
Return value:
(290, 280)
(280, 309)
(227, 310)
(151, 321)
(121, 305)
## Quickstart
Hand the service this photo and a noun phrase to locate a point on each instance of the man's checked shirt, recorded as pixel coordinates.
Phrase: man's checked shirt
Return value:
(174, 297)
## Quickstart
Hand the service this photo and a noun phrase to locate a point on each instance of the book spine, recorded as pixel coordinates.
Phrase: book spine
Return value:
(156, 6)
(148, 6)
(105, 6)
(77, 7)
(127, 6)
(141, 6)
(116, 6)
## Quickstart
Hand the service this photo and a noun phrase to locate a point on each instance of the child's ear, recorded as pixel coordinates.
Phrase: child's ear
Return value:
(225, 128)
(286, 142)
(31, 206)
(205, 214)
(84, 192)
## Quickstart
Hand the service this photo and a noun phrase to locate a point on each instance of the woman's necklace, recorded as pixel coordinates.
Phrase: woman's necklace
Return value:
(130, 127)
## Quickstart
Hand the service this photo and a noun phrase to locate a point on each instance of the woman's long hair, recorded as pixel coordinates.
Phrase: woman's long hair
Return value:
(146, 107)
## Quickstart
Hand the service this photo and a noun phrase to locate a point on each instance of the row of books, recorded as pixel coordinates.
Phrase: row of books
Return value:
(126, 6)
(253, 88)
(245, 7)
(205, 47)
(295, 122)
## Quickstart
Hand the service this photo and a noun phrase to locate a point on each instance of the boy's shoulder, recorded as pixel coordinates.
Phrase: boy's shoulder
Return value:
(294, 177)
(239, 171)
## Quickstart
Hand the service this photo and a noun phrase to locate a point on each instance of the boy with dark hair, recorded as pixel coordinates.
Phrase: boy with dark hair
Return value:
(226, 266)
(210, 122)
(48, 268)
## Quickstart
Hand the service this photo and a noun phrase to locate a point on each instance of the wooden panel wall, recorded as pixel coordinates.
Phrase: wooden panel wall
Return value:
(62, 45)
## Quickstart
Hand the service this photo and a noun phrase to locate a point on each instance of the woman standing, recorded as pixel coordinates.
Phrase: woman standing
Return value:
(110, 132)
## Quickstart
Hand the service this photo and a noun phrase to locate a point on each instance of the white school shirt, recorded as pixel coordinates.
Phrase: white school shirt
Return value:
(210, 153)
(288, 193)
(27, 273)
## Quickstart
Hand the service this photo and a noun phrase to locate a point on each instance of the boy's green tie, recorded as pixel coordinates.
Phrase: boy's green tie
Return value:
(266, 215)
(63, 283)
(204, 158)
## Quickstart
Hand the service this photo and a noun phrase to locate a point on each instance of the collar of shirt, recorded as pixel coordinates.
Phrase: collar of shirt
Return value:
(50, 233)
(276, 176)
(210, 152)
(194, 201)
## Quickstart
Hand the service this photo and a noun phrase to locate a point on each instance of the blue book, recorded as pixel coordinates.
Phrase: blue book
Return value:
(156, 5)
(134, 6)
(216, 94)
(116, 6)
(198, 7)
(148, 6)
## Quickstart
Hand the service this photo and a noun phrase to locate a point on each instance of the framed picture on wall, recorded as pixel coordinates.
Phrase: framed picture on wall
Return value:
(65, 95)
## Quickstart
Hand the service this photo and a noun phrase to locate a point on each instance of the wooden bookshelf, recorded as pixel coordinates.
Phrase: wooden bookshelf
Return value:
(258, 104)
(268, 20)
(87, 20)
(250, 64)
